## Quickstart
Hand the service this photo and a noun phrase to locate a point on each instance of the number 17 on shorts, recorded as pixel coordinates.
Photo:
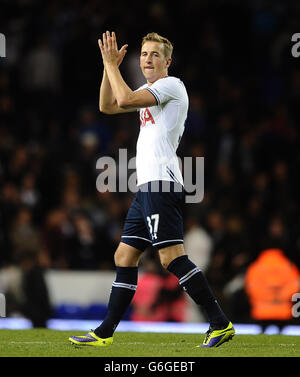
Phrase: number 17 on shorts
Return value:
(153, 222)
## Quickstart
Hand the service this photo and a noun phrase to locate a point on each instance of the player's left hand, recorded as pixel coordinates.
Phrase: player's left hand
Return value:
(109, 49)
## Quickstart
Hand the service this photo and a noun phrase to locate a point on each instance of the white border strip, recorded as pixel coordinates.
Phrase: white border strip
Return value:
(140, 238)
(158, 243)
(189, 275)
(15, 323)
(124, 285)
(154, 327)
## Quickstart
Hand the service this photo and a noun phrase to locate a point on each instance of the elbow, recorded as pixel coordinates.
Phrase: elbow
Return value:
(124, 102)
(105, 110)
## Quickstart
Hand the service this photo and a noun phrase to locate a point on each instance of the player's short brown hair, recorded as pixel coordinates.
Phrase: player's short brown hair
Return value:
(154, 37)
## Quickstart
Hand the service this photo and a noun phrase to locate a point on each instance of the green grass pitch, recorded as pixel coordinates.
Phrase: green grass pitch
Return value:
(52, 343)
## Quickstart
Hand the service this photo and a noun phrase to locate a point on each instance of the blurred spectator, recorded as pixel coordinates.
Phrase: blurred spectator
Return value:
(55, 235)
(198, 244)
(226, 142)
(89, 248)
(196, 120)
(92, 131)
(25, 288)
(24, 235)
(35, 303)
(29, 194)
(40, 71)
(270, 282)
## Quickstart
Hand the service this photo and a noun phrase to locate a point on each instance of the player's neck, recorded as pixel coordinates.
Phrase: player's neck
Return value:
(161, 77)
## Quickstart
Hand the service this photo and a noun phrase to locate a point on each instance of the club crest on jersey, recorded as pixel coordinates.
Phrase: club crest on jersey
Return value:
(146, 116)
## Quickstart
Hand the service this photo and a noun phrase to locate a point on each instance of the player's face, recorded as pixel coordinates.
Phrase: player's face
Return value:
(153, 61)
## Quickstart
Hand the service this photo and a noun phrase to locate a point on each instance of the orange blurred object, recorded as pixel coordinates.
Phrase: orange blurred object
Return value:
(270, 282)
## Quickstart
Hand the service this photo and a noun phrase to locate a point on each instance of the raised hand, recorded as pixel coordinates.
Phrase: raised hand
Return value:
(109, 49)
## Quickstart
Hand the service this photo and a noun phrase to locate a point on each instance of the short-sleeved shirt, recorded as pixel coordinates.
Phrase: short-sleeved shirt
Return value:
(161, 128)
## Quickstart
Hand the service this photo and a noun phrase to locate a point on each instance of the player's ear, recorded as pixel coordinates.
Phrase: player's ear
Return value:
(168, 62)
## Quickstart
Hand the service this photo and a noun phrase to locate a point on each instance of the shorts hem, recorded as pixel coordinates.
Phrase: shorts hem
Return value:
(163, 244)
(139, 243)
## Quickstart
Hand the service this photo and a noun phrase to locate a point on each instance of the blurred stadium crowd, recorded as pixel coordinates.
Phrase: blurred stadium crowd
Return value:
(244, 89)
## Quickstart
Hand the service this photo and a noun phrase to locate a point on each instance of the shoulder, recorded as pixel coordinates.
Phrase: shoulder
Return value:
(170, 84)
(141, 87)
(170, 80)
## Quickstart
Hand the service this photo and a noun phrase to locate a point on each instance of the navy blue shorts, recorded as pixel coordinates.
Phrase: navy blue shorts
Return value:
(155, 216)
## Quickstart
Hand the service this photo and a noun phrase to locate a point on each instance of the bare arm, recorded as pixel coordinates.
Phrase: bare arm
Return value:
(107, 101)
(125, 97)
(122, 98)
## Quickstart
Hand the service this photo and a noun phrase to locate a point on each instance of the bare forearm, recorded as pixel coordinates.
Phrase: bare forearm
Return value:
(107, 100)
(120, 90)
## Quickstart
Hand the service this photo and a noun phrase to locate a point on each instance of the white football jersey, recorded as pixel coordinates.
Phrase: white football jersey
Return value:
(161, 128)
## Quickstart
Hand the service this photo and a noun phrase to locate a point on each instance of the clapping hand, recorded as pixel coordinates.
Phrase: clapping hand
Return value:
(109, 49)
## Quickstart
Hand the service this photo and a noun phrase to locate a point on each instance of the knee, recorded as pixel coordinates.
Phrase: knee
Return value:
(168, 254)
(165, 262)
(165, 259)
(126, 256)
(121, 258)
